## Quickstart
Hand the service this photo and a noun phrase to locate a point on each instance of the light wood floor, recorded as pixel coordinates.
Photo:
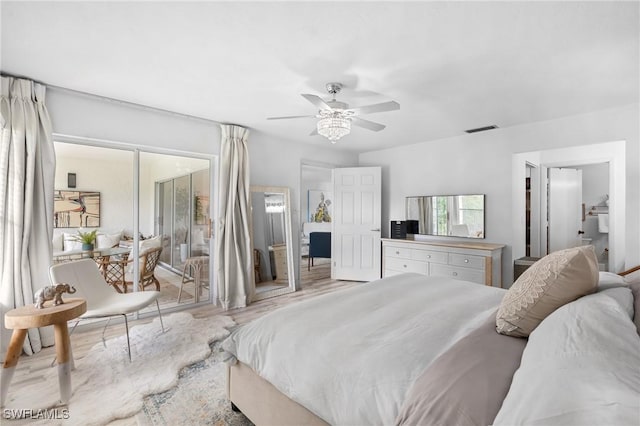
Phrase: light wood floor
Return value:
(31, 368)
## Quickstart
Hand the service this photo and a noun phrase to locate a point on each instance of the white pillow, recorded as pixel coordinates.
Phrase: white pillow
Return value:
(609, 280)
(57, 242)
(108, 240)
(149, 243)
(144, 246)
(580, 366)
(70, 242)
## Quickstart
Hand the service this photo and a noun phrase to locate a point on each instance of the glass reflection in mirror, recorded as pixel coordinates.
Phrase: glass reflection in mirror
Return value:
(271, 241)
(446, 215)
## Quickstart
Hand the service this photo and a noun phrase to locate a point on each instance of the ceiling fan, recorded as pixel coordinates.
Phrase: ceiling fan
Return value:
(336, 118)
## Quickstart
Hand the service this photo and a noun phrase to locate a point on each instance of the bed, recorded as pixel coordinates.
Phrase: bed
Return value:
(413, 349)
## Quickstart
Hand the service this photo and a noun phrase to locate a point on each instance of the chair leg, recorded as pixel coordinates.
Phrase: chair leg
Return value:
(160, 316)
(126, 325)
(183, 280)
(180, 291)
(104, 343)
(309, 263)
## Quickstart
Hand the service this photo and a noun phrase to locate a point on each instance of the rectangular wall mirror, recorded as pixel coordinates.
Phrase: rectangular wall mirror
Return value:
(446, 215)
(271, 240)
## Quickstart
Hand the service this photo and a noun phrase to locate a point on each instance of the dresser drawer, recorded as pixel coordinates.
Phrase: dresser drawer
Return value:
(403, 252)
(429, 256)
(465, 274)
(406, 265)
(466, 261)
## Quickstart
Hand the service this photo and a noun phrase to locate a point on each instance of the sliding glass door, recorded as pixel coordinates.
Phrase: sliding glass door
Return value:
(157, 201)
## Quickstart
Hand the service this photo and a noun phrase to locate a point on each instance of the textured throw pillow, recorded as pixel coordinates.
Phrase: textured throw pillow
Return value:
(556, 279)
(108, 240)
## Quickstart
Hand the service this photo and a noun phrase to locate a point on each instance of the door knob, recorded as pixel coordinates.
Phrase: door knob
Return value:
(375, 230)
(580, 232)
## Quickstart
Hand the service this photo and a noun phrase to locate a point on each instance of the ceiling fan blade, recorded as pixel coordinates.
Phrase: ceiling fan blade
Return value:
(376, 127)
(291, 116)
(316, 100)
(382, 107)
(314, 133)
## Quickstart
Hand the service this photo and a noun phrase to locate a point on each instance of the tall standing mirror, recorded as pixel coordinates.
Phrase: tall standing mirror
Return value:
(272, 247)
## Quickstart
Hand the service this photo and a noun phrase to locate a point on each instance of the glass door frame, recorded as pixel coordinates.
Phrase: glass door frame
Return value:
(136, 150)
(159, 207)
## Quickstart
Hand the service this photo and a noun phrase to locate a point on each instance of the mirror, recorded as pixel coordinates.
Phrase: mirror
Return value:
(271, 242)
(446, 215)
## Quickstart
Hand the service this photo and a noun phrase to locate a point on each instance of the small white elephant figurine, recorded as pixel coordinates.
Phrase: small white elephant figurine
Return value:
(52, 292)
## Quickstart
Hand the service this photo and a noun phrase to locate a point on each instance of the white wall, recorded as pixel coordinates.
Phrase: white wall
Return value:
(481, 163)
(113, 179)
(86, 116)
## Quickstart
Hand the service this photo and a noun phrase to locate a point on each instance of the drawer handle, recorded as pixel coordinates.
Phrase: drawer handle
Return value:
(404, 266)
(397, 252)
(466, 261)
(428, 256)
(455, 274)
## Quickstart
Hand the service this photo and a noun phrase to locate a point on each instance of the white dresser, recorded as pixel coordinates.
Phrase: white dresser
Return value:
(477, 262)
(281, 264)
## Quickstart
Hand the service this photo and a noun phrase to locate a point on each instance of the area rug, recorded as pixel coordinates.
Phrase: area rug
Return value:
(106, 386)
(199, 399)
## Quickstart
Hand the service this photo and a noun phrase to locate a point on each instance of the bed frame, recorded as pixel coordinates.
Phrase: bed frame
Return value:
(262, 403)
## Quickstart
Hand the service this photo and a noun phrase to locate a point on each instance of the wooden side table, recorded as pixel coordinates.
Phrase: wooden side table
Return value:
(22, 319)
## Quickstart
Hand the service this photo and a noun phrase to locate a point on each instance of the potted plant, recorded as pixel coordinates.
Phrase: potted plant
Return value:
(87, 239)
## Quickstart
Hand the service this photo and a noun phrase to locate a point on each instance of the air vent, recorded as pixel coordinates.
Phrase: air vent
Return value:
(482, 129)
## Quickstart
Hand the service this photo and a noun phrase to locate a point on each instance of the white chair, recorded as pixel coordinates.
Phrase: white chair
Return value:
(102, 300)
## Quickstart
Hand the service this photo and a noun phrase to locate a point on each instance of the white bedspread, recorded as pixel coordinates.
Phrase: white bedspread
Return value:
(351, 356)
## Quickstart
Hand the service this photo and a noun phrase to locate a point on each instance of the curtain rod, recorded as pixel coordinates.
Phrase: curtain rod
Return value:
(112, 100)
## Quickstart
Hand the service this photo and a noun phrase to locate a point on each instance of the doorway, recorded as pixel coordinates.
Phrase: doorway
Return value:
(605, 162)
(578, 200)
(316, 212)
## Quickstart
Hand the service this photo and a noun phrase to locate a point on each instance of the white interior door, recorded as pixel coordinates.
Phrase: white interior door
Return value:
(356, 250)
(565, 208)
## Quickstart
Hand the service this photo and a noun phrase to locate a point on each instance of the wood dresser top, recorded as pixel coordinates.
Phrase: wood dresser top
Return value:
(459, 244)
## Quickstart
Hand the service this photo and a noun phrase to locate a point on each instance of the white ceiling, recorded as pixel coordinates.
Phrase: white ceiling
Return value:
(451, 65)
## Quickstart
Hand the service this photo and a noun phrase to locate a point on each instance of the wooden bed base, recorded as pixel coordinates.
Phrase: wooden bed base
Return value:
(628, 271)
(262, 403)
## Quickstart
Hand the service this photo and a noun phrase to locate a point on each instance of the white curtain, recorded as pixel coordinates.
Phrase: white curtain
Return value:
(27, 172)
(233, 242)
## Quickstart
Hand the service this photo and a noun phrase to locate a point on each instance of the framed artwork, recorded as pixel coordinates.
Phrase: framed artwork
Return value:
(319, 205)
(201, 209)
(76, 209)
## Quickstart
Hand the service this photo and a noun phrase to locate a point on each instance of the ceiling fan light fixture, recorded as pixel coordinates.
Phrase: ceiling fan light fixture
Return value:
(334, 126)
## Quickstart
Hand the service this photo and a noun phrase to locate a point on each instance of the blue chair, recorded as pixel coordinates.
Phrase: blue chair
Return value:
(319, 246)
